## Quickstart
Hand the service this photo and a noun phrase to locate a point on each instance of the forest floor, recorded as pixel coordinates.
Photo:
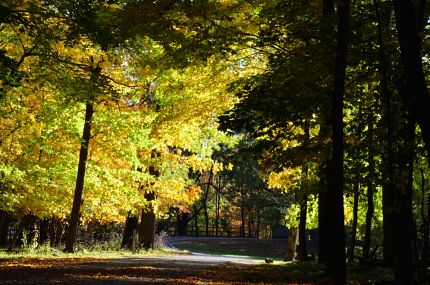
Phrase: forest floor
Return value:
(184, 268)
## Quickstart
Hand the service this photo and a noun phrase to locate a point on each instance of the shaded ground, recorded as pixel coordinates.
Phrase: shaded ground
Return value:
(173, 269)
(181, 269)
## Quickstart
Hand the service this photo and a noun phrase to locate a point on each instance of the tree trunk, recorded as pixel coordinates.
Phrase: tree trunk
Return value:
(303, 253)
(370, 192)
(77, 200)
(242, 211)
(5, 220)
(409, 32)
(218, 206)
(424, 218)
(335, 265)
(354, 222)
(183, 219)
(250, 214)
(196, 221)
(323, 234)
(131, 225)
(205, 202)
(322, 215)
(147, 223)
(43, 231)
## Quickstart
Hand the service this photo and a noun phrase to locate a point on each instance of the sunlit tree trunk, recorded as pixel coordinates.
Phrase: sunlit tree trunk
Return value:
(77, 200)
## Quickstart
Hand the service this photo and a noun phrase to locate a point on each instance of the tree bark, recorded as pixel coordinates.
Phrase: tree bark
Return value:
(242, 211)
(303, 253)
(147, 223)
(77, 200)
(370, 193)
(409, 31)
(5, 220)
(336, 264)
(131, 225)
(356, 194)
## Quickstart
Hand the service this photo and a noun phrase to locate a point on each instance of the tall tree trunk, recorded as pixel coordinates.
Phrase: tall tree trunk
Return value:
(336, 266)
(354, 222)
(424, 219)
(205, 202)
(323, 233)
(410, 26)
(388, 176)
(303, 253)
(370, 192)
(77, 200)
(322, 215)
(403, 226)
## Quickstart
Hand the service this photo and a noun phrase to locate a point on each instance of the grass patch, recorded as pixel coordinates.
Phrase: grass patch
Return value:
(254, 248)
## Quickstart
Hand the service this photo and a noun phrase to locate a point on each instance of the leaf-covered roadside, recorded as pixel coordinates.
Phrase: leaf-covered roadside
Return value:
(156, 271)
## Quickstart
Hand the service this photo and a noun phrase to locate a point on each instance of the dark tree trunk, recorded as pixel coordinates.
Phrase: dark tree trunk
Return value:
(196, 221)
(183, 219)
(354, 222)
(77, 200)
(322, 216)
(303, 253)
(323, 234)
(250, 214)
(409, 30)
(402, 214)
(336, 267)
(424, 219)
(147, 223)
(5, 220)
(370, 192)
(56, 230)
(218, 207)
(257, 232)
(43, 231)
(242, 211)
(131, 226)
(205, 202)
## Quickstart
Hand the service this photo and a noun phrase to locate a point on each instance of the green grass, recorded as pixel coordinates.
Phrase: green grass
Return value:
(254, 248)
(48, 252)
